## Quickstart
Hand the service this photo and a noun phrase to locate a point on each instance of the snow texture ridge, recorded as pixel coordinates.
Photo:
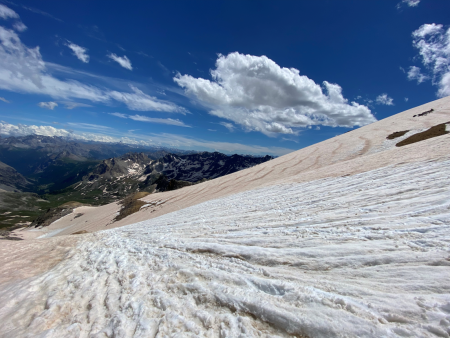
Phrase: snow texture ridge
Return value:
(365, 255)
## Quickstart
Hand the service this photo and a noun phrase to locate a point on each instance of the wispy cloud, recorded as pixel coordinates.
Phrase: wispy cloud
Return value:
(89, 126)
(138, 100)
(121, 60)
(4, 100)
(229, 126)
(72, 105)
(122, 116)
(384, 99)
(78, 51)
(8, 13)
(409, 3)
(173, 122)
(414, 73)
(38, 11)
(290, 140)
(23, 70)
(48, 105)
(33, 10)
(19, 26)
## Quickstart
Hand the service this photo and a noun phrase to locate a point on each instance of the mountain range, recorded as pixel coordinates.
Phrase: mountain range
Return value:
(53, 171)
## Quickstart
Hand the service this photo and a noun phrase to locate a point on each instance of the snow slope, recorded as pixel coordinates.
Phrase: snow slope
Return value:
(365, 255)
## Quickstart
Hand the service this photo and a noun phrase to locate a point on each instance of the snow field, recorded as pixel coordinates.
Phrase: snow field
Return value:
(366, 255)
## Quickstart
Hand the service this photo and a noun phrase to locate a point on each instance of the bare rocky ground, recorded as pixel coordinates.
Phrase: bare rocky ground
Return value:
(346, 238)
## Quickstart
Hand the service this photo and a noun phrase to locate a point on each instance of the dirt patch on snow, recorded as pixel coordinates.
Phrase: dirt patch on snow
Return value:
(397, 134)
(54, 214)
(131, 204)
(435, 131)
(80, 232)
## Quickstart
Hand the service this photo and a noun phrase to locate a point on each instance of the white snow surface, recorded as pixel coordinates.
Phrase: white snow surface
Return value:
(356, 256)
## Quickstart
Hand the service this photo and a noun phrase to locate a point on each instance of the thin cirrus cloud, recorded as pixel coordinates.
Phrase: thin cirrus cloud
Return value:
(121, 60)
(48, 105)
(433, 44)
(72, 105)
(173, 122)
(384, 99)
(89, 126)
(78, 51)
(23, 70)
(138, 100)
(35, 10)
(259, 95)
(4, 100)
(229, 126)
(122, 116)
(163, 139)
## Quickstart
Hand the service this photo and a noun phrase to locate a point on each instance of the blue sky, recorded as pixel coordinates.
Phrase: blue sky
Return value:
(256, 77)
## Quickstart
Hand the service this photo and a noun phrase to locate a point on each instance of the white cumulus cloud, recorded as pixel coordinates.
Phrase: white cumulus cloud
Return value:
(48, 105)
(78, 51)
(121, 60)
(23, 70)
(384, 99)
(258, 94)
(433, 43)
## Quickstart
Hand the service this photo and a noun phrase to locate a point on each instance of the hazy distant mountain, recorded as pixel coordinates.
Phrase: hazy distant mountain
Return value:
(31, 154)
(11, 180)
